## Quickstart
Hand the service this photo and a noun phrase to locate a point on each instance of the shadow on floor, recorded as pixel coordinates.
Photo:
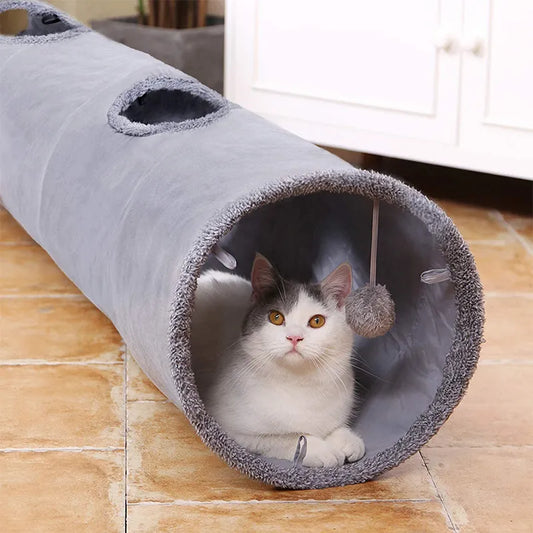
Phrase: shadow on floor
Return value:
(477, 188)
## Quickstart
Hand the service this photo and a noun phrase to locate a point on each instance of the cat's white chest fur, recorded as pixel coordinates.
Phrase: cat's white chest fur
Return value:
(267, 382)
(274, 403)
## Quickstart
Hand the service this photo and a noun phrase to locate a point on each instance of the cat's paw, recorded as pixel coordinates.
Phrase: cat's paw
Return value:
(351, 444)
(322, 453)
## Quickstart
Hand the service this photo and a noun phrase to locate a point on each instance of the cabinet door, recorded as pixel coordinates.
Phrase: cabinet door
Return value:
(497, 84)
(347, 72)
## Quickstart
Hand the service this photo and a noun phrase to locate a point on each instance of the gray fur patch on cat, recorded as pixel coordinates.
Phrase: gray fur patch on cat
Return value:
(283, 296)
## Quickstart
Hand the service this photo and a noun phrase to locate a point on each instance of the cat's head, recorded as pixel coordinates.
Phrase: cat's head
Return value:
(298, 325)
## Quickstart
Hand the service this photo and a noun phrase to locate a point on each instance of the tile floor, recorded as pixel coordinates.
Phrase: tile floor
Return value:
(87, 442)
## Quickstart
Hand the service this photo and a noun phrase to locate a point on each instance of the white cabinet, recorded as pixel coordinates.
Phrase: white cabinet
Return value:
(444, 81)
(497, 82)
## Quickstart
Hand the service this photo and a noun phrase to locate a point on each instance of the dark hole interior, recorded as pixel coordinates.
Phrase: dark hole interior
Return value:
(306, 237)
(166, 105)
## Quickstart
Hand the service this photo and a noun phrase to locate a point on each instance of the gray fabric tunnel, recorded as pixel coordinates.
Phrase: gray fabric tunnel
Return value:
(130, 173)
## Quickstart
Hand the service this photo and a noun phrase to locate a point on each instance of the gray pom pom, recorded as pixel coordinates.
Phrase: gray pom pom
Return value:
(370, 311)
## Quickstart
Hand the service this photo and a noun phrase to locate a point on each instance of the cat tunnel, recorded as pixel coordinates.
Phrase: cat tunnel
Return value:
(135, 178)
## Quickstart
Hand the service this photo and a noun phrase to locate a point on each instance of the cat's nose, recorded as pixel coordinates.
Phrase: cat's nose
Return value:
(295, 339)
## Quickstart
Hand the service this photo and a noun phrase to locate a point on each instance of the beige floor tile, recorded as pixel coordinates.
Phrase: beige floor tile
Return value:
(61, 406)
(29, 270)
(496, 409)
(139, 386)
(485, 490)
(506, 267)
(56, 329)
(508, 328)
(475, 223)
(11, 231)
(62, 492)
(522, 225)
(167, 461)
(375, 517)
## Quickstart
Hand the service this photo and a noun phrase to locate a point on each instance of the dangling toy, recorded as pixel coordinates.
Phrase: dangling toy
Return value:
(370, 309)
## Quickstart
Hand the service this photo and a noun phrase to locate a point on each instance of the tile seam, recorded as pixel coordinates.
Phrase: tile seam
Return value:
(508, 294)
(70, 449)
(497, 362)
(69, 295)
(480, 446)
(16, 243)
(125, 362)
(149, 401)
(487, 242)
(501, 219)
(13, 362)
(447, 513)
(186, 503)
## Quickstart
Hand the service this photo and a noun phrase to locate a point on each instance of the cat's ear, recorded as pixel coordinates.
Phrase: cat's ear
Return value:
(338, 284)
(263, 277)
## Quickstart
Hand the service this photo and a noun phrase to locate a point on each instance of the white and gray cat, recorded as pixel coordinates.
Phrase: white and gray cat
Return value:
(272, 359)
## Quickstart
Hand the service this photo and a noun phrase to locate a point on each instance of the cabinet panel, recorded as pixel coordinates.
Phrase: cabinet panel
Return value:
(349, 53)
(497, 81)
(353, 64)
(510, 64)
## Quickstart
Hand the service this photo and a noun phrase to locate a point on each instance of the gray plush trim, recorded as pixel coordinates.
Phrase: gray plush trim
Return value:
(124, 125)
(460, 361)
(40, 8)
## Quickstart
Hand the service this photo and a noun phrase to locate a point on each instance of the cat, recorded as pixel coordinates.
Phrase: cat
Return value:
(272, 362)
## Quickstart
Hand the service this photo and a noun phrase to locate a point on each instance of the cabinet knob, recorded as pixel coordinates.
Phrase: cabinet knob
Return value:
(446, 42)
(472, 45)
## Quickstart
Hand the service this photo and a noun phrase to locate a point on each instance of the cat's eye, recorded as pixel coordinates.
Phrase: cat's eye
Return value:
(317, 321)
(276, 318)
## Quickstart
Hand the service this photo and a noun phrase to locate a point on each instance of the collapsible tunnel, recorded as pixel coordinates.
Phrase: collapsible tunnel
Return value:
(130, 174)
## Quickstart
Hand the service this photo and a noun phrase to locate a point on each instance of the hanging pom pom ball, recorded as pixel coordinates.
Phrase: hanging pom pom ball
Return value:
(370, 311)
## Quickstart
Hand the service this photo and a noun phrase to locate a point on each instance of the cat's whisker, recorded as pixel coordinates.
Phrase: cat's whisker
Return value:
(255, 365)
(360, 385)
(282, 291)
(250, 367)
(364, 366)
(232, 345)
(333, 364)
(367, 372)
(333, 373)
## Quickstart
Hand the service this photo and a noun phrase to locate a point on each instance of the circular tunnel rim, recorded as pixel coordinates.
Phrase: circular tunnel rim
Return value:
(461, 359)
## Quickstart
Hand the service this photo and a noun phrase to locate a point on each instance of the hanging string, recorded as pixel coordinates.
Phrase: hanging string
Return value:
(374, 245)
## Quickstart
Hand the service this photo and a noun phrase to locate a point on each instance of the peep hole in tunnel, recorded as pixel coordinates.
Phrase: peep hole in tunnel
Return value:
(169, 105)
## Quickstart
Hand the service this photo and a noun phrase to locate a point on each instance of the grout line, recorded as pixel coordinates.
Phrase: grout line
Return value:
(63, 449)
(503, 294)
(439, 495)
(162, 400)
(481, 446)
(126, 355)
(486, 242)
(38, 362)
(74, 296)
(494, 362)
(15, 243)
(501, 219)
(186, 503)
